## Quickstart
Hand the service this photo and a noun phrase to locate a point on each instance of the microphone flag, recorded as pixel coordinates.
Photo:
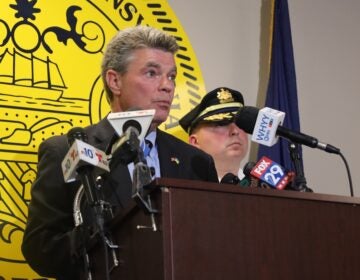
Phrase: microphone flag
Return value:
(272, 173)
(143, 117)
(81, 153)
(267, 123)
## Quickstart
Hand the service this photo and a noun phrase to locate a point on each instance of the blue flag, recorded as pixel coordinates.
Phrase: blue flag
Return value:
(282, 91)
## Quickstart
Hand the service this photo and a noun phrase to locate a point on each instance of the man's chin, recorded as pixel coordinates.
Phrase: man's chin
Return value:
(160, 117)
(157, 121)
(236, 155)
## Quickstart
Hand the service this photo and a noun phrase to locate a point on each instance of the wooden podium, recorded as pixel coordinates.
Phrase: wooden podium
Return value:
(208, 231)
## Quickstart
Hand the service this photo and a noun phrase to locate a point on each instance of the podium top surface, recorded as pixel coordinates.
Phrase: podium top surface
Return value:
(228, 188)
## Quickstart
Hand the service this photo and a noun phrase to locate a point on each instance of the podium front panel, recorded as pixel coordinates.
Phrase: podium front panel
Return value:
(213, 231)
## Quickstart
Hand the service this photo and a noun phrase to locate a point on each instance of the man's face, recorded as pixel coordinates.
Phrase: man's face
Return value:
(223, 142)
(148, 83)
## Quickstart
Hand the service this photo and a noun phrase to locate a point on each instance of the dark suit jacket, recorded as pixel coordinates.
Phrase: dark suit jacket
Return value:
(51, 240)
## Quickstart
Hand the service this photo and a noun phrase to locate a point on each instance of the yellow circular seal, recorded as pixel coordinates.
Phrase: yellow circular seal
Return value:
(50, 54)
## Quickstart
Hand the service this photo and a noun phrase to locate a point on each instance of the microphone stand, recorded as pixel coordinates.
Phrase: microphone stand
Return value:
(142, 177)
(125, 150)
(299, 182)
(99, 207)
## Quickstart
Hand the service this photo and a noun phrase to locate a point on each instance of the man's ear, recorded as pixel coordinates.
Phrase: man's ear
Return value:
(193, 140)
(113, 80)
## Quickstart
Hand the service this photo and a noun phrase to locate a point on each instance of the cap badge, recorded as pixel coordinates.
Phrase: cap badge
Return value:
(224, 96)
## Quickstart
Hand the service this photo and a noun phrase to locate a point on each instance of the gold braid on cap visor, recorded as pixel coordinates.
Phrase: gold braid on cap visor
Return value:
(219, 106)
(219, 117)
(213, 108)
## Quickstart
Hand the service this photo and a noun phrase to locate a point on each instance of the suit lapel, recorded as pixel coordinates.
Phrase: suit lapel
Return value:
(168, 156)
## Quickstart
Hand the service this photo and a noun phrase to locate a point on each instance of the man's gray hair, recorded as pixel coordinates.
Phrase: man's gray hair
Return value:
(118, 53)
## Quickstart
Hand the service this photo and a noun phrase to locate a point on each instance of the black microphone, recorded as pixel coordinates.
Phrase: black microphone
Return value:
(230, 178)
(247, 118)
(125, 149)
(132, 126)
(84, 170)
(132, 130)
(76, 133)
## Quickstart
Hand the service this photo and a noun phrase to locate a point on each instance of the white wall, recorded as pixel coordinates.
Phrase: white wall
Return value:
(326, 37)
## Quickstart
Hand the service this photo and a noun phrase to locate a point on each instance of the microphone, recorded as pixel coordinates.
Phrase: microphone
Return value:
(230, 178)
(252, 181)
(265, 126)
(125, 148)
(81, 161)
(82, 154)
(269, 173)
(141, 119)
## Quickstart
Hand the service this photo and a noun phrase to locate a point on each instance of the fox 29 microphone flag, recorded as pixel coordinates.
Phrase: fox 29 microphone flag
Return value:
(282, 92)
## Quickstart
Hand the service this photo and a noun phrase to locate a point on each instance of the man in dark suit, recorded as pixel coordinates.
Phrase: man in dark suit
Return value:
(138, 70)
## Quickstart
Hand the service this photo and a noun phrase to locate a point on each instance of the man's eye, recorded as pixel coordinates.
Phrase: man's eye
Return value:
(151, 73)
(172, 77)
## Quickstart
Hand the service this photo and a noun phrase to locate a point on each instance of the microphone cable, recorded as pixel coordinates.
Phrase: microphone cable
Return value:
(348, 173)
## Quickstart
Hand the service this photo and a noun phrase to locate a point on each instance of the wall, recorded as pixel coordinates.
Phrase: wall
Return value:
(227, 36)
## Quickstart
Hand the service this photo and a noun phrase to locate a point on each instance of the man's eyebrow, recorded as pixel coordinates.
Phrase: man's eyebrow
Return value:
(157, 65)
(152, 64)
